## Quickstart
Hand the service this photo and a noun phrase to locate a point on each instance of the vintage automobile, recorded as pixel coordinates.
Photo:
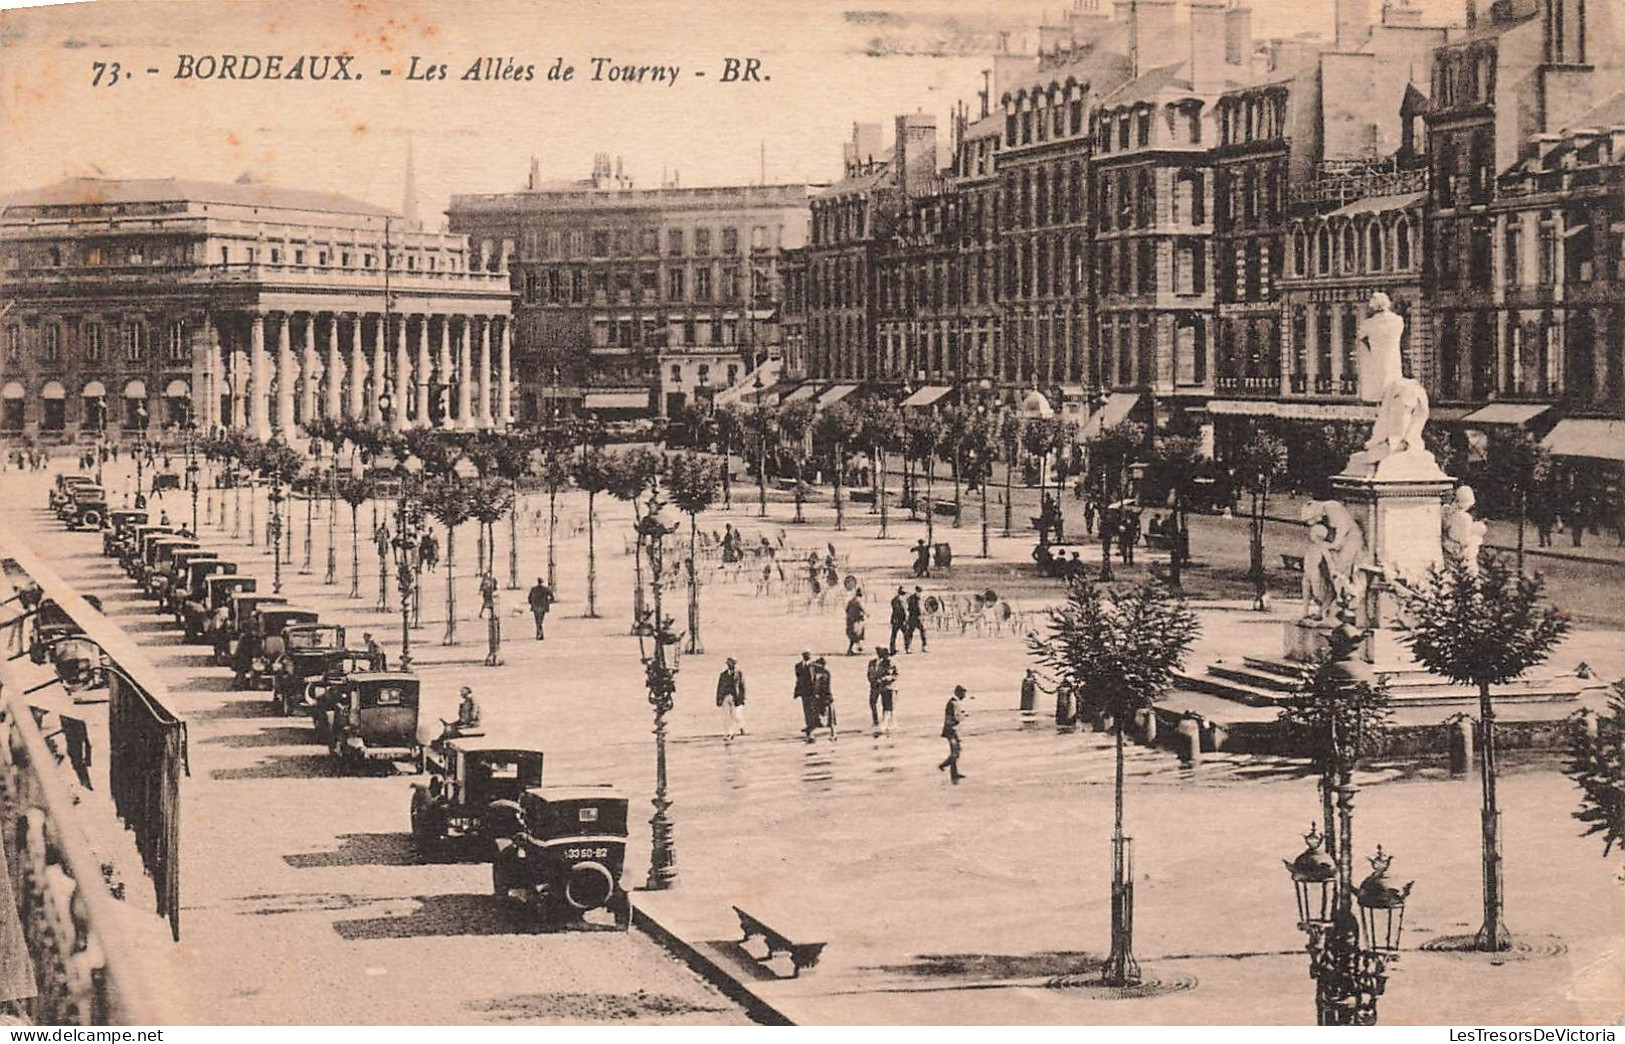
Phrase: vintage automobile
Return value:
(190, 574)
(307, 649)
(62, 492)
(565, 858)
(340, 666)
(262, 643)
(119, 523)
(239, 614)
(136, 548)
(152, 571)
(473, 791)
(209, 611)
(374, 715)
(168, 578)
(87, 508)
(52, 624)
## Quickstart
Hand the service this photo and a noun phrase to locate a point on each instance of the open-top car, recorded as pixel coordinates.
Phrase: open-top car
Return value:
(307, 650)
(86, 508)
(206, 614)
(120, 522)
(62, 492)
(565, 859)
(473, 791)
(374, 716)
(239, 616)
(262, 644)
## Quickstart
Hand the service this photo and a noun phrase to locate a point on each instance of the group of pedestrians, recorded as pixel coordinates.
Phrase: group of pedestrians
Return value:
(907, 620)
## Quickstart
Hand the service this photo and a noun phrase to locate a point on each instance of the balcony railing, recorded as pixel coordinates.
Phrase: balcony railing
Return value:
(1299, 383)
(1323, 384)
(1257, 385)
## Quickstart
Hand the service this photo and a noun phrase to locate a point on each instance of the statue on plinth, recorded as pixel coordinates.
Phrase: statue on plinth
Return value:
(1395, 448)
(1463, 534)
(1380, 359)
(1332, 560)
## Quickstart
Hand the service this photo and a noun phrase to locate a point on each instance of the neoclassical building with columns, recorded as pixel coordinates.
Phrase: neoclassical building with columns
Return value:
(154, 303)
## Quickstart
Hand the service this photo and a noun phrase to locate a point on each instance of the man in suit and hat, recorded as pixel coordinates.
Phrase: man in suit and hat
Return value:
(731, 699)
(953, 715)
(899, 619)
(807, 693)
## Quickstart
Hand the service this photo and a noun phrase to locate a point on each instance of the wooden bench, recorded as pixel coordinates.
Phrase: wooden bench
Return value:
(801, 954)
(1292, 563)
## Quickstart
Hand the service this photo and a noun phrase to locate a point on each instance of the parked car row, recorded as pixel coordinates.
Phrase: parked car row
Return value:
(560, 850)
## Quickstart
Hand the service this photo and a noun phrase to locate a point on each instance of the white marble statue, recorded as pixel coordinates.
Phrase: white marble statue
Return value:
(1463, 534)
(1400, 420)
(1380, 359)
(1332, 560)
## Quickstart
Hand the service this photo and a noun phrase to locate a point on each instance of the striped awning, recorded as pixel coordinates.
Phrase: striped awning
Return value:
(95, 390)
(1324, 411)
(1593, 438)
(135, 390)
(1116, 410)
(801, 394)
(177, 389)
(836, 394)
(53, 390)
(927, 396)
(1516, 414)
(13, 390)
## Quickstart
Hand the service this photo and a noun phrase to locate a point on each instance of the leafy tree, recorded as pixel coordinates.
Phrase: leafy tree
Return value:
(795, 424)
(1111, 456)
(1482, 630)
(1597, 766)
(1261, 463)
(591, 472)
(1118, 648)
(450, 500)
(1011, 436)
(981, 446)
(354, 491)
(555, 476)
(1519, 467)
(1042, 437)
(693, 482)
(728, 423)
(1174, 462)
(512, 461)
(632, 474)
(956, 421)
(761, 428)
(923, 431)
(882, 424)
(837, 428)
(489, 500)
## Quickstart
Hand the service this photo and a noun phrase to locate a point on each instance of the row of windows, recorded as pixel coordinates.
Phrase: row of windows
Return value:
(178, 347)
(1354, 249)
(703, 373)
(1055, 120)
(1131, 127)
(580, 286)
(1250, 117)
(624, 242)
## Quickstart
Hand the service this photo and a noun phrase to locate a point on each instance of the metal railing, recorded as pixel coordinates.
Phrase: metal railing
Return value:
(144, 767)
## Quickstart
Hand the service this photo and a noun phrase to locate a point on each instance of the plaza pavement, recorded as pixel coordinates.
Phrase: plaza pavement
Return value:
(940, 903)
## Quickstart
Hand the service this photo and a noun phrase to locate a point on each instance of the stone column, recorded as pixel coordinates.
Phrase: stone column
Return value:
(307, 386)
(356, 408)
(259, 402)
(465, 375)
(402, 394)
(485, 373)
(422, 375)
(505, 376)
(200, 377)
(335, 371)
(445, 370)
(377, 371)
(239, 376)
(284, 376)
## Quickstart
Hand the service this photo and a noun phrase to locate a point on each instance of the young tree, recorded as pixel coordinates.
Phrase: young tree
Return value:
(923, 432)
(1011, 436)
(513, 458)
(956, 421)
(728, 422)
(1043, 437)
(761, 426)
(449, 499)
(882, 425)
(489, 500)
(693, 481)
(1119, 650)
(795, 424)
(1519, 467)
(591, 472)
(1111, 456)
(836, 429)
(631, 474)
(555, 476)
(1597, 766)
(980, 448)
(1261, 463)
(1173, 466)
(354, 492)
(1482, 630)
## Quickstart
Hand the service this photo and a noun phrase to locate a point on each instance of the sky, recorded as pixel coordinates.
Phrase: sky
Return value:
(825, 64)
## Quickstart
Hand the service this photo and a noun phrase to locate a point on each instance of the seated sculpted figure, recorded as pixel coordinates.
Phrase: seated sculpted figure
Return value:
(1463, 534)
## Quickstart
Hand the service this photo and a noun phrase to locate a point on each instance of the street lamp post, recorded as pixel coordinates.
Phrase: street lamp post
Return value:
(1349, 954)
(192, 471)
(276, 530)
(408, 534)
(386, 405)
(140, 454)
(660, 677)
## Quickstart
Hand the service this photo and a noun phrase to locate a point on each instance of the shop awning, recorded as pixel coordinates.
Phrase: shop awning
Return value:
(54, 391)
(836, 394)
(1323, 411)
(616, 400)
(801, 394)
(177, 389)
(1596, 438)
(1116, 410)
(1516, 414)
(12, 390)
(926, 396)
(135, 390)
(95, 390)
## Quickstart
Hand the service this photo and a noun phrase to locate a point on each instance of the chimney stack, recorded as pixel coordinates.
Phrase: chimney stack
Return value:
(1238, 36)
(916, 155)
(1207, 46)
(1151, 28)
(1353, 24)
(1472, 14)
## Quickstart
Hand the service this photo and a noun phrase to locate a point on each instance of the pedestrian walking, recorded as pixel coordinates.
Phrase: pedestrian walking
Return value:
(915, 622)
(856, 614)
(807, 692)
(885, 692)
(954, 714)
(922, 558)
(824, 695)
(488, 594)
(899, 618)
(428, 552)
(731, 699)
(493, 626)
(541, 600)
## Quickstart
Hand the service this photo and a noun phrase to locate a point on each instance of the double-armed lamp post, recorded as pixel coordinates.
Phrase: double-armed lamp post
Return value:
(408, 535)
(655, 642)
